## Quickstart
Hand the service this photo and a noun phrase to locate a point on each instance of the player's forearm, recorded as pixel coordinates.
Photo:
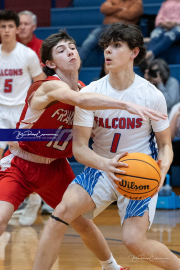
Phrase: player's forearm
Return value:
(166, 155)
(83, 154)
(91, 101)
(173, 125)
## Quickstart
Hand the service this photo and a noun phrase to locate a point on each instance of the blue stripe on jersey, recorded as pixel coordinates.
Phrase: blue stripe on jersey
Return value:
(88, 179)
(152, 145)
(137, 208)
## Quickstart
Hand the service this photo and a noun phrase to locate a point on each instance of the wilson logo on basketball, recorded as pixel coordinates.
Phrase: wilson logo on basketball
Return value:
(142, 176)
(132, 185)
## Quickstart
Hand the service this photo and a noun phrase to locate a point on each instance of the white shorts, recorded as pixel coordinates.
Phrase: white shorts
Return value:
(9, 116)
(103, 193)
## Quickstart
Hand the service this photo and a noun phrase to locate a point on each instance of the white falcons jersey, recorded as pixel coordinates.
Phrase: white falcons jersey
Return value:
(118, 131)
(16, 71)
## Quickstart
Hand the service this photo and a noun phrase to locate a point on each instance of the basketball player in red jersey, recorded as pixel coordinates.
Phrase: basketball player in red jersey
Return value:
(42, 166)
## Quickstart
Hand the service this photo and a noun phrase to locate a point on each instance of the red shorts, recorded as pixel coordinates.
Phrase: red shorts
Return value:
(19, 178)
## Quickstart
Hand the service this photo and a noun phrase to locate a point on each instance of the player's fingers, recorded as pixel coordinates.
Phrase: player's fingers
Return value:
(114, 177)
(159, 162)
(118, 171)
(118, 157)
(120, 164)
(158, 114)
(157, 191)
(151, 116)
(142, 115)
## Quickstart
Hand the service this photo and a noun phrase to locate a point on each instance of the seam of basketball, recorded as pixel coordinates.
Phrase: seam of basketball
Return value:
(142, 161)
(137, 177)
(136, 193)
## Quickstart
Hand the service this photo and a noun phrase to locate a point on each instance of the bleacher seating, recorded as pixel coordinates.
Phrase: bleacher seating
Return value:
(88, 15)
(83, 3)
(77, 32)
(76, 16)
(81, 19)
(90, 74)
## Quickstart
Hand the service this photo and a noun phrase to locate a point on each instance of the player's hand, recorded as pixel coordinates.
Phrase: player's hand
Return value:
(110, 167)
(144, 111)
(163, 176)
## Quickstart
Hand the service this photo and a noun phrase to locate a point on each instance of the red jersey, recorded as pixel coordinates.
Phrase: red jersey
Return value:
(57, 116)
(35, 45)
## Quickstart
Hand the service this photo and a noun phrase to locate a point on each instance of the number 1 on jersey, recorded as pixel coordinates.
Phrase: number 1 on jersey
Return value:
(115, 142)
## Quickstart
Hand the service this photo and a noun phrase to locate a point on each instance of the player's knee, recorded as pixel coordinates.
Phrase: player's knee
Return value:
(3, 225)
(132, 242)
(64, 212)
(83, 226)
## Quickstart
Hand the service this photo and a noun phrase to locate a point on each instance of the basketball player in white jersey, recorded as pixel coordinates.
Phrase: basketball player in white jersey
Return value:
(116, 132)
(19, 65)
(41, 167)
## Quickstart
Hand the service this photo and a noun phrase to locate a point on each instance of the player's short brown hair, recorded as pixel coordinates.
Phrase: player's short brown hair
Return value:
(47, 46)
(9, 15)
(129, 33)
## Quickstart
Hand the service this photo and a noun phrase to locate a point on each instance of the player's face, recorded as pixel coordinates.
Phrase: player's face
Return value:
(8, 31)
(117, 56)
(66, 57)
(26, 27)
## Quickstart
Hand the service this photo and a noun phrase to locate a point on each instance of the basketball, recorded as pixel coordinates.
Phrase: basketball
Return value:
(142, 176)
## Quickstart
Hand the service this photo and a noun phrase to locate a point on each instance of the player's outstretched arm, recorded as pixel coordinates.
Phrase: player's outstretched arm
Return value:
(88, 157)
(58, 90)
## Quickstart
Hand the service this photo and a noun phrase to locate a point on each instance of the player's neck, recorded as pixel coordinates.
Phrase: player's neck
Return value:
(25, 41)
(121, 80)
(8, 47)
(70, 78)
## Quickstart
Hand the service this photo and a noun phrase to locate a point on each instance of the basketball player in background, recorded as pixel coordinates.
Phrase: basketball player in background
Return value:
(19, 65)
(116, 132)
(42, 166)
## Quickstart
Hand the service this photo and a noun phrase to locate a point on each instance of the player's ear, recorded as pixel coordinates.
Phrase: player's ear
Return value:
(135, 52)
(50, 64)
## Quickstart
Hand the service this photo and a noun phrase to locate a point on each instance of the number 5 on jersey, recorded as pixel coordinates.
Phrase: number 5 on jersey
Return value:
(8, 85)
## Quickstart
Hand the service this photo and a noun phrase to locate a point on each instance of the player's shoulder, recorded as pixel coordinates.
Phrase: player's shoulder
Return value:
(149, 89)
(24, 49)
(96, 86)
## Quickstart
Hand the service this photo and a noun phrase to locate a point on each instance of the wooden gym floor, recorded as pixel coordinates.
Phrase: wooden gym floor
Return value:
(18, 244)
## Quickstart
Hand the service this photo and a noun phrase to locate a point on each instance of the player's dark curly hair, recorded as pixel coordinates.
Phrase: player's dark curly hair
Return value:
(124, 32)
(9, 15)
(47, 46)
